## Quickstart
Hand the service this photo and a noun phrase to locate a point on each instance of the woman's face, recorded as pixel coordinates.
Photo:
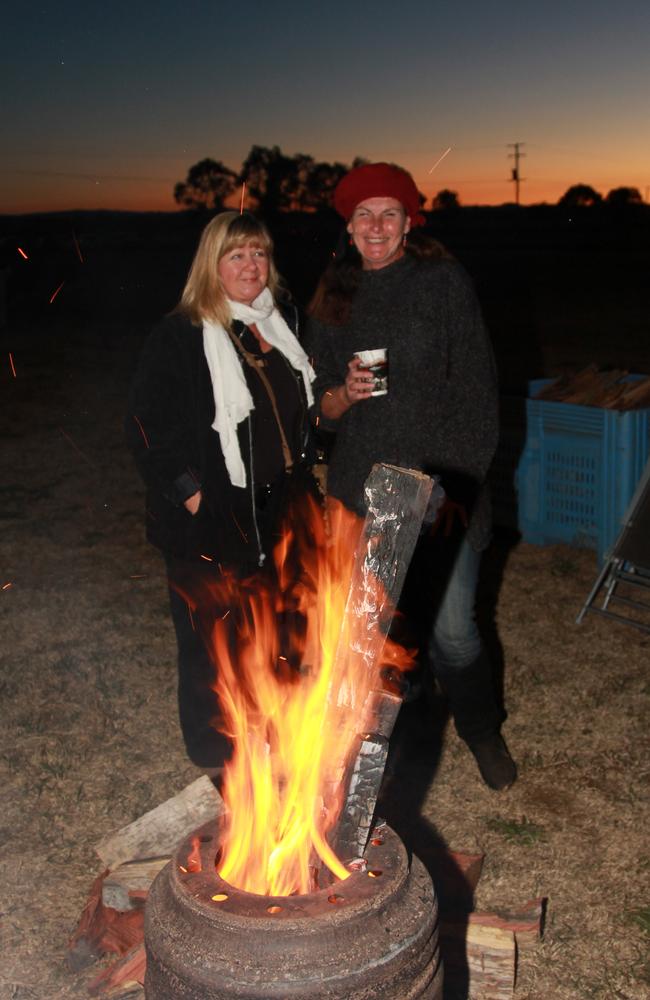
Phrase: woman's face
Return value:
(378, 227)
(244, 272)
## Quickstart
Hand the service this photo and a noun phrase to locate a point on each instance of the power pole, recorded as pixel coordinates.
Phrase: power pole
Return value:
(515, 177)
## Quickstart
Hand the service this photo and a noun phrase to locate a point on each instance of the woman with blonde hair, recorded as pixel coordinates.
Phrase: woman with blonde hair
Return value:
(218, 425)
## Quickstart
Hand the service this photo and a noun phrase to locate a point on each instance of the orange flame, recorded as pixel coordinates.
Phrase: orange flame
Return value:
(292, 700)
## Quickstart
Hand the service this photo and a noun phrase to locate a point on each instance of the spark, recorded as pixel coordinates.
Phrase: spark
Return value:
(22, 253)
(138, 576)
(207, 558)
(57, 292)
(226, 615)
(77, 247)
(243, 195)
(146, 441)
(440, 159)
(77, 448)
(242, 533)
(6, 586)
(13, 367)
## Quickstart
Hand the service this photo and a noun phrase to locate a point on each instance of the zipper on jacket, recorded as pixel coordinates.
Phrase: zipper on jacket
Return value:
(251, 480)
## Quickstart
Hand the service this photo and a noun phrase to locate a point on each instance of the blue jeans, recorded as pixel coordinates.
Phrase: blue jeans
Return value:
(457, 654)
(455, 641)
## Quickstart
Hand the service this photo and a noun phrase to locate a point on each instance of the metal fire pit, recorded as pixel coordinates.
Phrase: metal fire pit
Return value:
(372, 936)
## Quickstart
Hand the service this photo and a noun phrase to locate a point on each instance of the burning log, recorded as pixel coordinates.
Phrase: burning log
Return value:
(158, 832)
(397, 501)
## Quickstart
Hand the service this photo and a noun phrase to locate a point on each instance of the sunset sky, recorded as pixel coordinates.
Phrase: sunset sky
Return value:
(107, 104)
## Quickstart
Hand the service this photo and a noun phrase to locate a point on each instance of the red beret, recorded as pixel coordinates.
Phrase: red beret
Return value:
(378, 180)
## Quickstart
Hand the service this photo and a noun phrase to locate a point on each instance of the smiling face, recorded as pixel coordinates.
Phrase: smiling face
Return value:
(378, 227)
(244, 272)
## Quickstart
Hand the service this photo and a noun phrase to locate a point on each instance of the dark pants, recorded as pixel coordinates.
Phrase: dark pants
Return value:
(198, 705)
(196, 582)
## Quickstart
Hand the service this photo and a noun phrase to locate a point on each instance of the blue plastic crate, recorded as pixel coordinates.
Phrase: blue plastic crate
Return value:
(576, 470)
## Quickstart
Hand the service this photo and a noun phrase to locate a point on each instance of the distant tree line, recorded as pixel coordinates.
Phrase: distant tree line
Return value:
(276, 182)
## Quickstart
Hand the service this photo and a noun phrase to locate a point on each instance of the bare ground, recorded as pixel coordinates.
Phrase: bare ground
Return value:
(89, 739)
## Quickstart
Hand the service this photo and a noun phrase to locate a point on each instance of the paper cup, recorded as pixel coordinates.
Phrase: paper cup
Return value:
(376, 362)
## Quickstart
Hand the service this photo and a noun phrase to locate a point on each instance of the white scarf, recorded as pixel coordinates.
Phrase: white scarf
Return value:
(232, 399)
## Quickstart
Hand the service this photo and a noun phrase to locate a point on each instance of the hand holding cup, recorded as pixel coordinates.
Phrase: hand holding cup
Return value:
(375, 362)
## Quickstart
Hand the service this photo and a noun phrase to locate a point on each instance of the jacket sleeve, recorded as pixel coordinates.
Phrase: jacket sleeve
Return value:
(161, 412)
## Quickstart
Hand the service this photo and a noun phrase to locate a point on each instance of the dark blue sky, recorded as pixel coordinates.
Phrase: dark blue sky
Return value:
(108, 104)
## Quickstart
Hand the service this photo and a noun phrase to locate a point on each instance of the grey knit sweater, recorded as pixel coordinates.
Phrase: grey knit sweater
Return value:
(441, 411)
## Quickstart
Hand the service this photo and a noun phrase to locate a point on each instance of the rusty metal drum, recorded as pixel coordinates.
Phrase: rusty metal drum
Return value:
(373, 936)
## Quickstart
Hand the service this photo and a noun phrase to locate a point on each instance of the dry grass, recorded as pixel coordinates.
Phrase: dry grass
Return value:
(90, 739)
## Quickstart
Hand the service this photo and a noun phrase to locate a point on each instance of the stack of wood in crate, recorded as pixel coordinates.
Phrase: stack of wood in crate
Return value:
(611, 390)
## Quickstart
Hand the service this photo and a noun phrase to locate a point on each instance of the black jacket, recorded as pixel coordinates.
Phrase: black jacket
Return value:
(169, 430)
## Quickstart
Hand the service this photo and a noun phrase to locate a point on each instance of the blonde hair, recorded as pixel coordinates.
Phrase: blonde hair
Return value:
(204, 296)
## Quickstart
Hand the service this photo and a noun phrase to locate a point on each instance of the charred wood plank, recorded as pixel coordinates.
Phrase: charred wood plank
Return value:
(396, 501)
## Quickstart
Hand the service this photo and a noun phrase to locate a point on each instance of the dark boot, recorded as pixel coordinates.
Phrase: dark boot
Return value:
(477, 717)
(497, 767)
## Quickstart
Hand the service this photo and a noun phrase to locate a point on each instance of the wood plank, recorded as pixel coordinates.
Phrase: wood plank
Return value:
(525, 922)
(125, 974)
(158, 832)
(127, 886)
(396, 501)
(478, 959)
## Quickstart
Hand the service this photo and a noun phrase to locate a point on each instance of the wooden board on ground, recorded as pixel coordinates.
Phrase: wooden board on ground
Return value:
(159, 831)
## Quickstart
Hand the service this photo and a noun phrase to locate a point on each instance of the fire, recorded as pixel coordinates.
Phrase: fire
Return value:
(293, 685)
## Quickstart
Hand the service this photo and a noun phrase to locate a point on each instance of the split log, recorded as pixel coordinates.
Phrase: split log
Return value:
(123, 978)
(525, 922)
(478, 960)
(127, 887)
(159, 831)
(455, 875)
(396, 501)
(102, 929)
(83, 947)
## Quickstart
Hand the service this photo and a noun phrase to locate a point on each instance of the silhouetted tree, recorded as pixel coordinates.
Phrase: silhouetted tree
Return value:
(207, 186)
(624, 196)
(580, 196)
(271, 177)
(289, 183)
(445, 200)
(322, 179)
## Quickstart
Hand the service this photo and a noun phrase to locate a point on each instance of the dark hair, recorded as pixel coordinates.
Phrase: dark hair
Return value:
(332, 300)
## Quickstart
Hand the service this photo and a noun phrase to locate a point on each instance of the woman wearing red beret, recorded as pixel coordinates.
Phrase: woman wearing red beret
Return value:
(395, 289)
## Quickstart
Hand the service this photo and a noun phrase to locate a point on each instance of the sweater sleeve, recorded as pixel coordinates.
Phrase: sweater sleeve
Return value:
(470, 416)
(158, 424)
(319, 348)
